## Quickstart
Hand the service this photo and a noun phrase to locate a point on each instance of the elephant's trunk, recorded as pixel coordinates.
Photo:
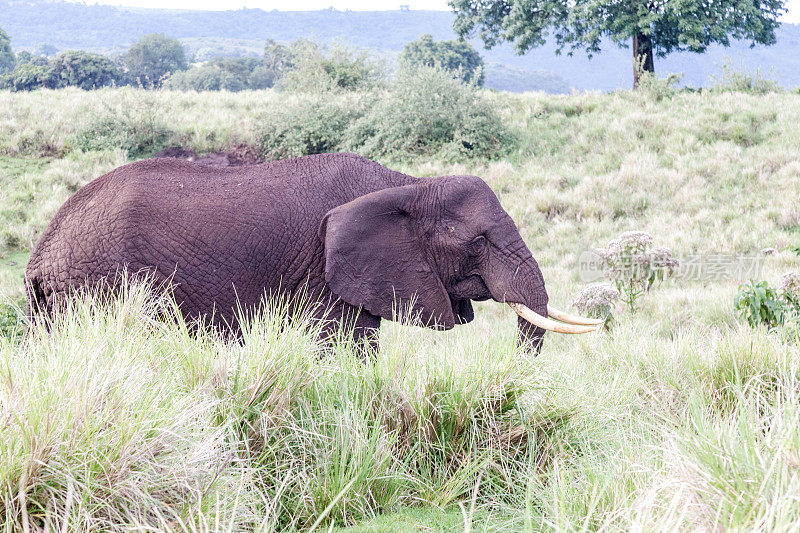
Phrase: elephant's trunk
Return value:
(515, 279)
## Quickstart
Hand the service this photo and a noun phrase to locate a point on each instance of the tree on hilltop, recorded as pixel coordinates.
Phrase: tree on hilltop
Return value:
(650, 27)
(456, 56)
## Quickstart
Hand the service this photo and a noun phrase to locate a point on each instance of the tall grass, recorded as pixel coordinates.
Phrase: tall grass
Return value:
(122, 415)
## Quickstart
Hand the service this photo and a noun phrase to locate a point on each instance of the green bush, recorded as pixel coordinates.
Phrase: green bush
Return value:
(25, 57)
(12, 323)
(743, 80)
(205, 78)
(308, 124)
(657, 89)
(425, 111)
(137, 127)
(429, 111)
(317, 69)
(758, 303)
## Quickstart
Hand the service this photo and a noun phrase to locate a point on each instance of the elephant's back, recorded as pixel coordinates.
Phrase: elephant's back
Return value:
(208, 228)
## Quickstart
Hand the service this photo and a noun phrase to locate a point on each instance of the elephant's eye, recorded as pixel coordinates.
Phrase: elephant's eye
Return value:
(478, 245)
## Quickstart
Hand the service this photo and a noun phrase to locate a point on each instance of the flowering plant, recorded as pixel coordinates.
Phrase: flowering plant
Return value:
(634, 265)
(598, 301)
(790, 290)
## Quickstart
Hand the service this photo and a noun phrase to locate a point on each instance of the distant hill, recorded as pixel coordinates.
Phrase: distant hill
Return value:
(110, 30)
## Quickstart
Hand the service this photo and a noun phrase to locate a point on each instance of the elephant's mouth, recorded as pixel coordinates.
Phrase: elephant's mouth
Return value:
(470, 288)
(462, 294)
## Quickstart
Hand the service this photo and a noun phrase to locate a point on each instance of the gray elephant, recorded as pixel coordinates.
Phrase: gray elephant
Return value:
(364, 241)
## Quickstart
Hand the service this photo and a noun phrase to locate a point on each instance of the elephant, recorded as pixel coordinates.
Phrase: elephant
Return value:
(363, 241)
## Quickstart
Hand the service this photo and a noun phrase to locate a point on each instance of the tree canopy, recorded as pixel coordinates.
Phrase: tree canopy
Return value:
(224, 74)
(7, 58)
(26, 77)
(82, 69)
(150, 59)
(278, 58)
(650, 27)
(454, 56)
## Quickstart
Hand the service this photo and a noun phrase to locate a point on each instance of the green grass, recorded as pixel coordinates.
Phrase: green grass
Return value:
(682, 418)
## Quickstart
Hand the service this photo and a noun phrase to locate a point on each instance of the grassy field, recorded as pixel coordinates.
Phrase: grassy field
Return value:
(682, 416)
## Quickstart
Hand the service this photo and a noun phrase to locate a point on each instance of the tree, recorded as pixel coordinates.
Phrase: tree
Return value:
(206, 77)
(26, 77)
(278, 58)
(223, 74)
(652, 27)
(454, 56)
(24, 57)
(77, 68)
(150, 59)
(7, 58)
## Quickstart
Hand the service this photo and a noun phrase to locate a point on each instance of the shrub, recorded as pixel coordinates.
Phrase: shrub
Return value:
(424, 112)
(205, 78)
(137, 127)
(635, 265)
(317, 69)
(743, 80)
(758, 303)
(24, 57)
(12, 323)
(308, 124)
(657, 89)
(429, 111)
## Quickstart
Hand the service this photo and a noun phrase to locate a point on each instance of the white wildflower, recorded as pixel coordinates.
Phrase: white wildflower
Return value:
(790, 287)
(597, 300)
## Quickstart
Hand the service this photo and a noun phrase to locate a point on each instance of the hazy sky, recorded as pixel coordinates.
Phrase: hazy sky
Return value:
(359, 5)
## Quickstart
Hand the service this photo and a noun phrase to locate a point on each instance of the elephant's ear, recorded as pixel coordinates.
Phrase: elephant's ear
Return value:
(374, 258)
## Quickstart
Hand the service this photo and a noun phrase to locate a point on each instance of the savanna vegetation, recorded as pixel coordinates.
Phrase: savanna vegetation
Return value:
(683, 414)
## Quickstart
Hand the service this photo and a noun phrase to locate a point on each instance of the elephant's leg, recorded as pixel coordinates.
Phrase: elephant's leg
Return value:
(366, 335)
(356, 322)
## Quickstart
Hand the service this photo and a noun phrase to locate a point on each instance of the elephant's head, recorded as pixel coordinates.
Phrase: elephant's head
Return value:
(437, 244)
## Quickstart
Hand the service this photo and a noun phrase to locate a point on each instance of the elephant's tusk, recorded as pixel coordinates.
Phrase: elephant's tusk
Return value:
(552, 312)
(546, 323)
